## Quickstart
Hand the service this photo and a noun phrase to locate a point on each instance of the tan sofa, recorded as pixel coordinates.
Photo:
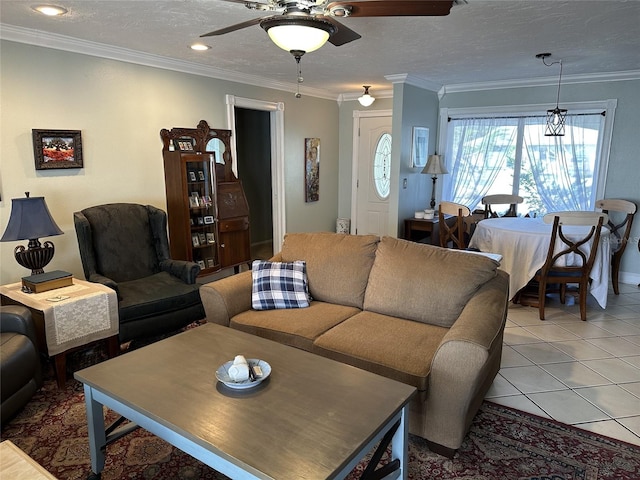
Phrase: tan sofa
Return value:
(426, 316)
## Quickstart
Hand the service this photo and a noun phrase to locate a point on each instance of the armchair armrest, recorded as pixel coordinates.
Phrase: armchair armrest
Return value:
(15, 318)
(225, 298)
(97, 278)
(184, 270)
(465, 364)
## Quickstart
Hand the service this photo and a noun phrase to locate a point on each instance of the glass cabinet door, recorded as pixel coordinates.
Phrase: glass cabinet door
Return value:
(203, 216)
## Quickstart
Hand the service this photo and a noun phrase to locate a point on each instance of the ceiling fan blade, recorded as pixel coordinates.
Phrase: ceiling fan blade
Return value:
(233, 28)
(343, 33)
(394, 8)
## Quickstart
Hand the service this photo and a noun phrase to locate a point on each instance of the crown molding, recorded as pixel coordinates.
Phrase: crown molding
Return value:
(415, 81)
(84, 47)
(540, 82)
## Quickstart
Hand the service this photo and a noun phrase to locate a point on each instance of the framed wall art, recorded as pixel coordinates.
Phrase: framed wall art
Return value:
(57, 149)
(419, 147)
(311, 169)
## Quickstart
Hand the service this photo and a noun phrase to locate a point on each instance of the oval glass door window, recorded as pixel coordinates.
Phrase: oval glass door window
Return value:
(382, 166)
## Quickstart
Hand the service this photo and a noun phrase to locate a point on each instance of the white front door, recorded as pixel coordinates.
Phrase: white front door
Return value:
(373, 175)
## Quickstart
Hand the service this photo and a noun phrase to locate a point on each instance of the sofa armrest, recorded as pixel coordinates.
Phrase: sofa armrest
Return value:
(465, 364)
(225, 298)
(17, 319)
(184, 270)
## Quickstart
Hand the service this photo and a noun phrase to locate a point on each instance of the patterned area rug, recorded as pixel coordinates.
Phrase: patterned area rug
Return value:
(502, 444)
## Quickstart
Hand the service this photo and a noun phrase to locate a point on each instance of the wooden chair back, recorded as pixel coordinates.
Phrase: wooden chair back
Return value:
(620, 227)
(452, 230)
(566, 262)
(501, 199)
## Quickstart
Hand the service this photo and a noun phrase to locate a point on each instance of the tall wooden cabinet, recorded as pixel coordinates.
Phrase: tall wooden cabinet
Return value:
(207, 210)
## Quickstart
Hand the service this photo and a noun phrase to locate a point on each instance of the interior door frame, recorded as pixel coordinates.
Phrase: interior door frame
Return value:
(357, 115)
(276, 115)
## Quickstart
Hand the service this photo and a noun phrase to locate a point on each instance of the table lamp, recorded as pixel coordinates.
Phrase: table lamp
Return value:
(30, 219)
(435, 166)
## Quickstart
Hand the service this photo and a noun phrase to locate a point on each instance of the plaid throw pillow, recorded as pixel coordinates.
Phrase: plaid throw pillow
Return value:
(279, 285)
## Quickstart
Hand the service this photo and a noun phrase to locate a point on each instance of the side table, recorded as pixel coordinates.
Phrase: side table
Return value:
(426, 226)
(68, 318)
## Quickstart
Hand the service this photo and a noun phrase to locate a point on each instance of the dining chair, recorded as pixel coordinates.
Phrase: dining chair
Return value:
(566, 262)
(501, 199)
(623, 210)
(453, 233)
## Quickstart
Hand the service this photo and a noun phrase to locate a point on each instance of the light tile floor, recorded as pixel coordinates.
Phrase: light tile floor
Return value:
(586, 374)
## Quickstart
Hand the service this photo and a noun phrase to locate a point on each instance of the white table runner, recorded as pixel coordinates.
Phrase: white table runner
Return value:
(89, 313)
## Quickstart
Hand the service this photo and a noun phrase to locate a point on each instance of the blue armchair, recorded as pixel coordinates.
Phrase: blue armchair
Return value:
(125, 246)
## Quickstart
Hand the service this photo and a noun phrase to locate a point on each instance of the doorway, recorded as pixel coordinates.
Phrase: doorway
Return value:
(371, 172)
(276, 122)
(253, 153)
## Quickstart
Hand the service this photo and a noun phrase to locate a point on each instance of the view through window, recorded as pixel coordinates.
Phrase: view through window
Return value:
(510, 155)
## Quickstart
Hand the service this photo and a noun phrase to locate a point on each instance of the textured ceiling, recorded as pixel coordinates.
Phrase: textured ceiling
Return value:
(481, 41)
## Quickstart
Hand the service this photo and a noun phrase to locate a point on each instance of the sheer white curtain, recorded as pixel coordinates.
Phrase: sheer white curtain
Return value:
(477, 150)
(564, 167)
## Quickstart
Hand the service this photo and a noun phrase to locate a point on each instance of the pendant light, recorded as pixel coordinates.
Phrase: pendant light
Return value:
(366, 99)
(556, 117)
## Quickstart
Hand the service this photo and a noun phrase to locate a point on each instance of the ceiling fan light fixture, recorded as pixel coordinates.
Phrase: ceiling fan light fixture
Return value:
(302, 34)
(366, 99)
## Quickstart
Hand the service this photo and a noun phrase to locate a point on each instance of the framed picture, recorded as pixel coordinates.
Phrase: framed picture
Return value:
(206, 199)
(208, 219)
(201, 175)
(211, 237)
(419, 147)
(183, 144)
(192, 176)
(195, 240)
(201, 264)
(202, 238)
(311, 169)
(57, 149)
(211, 263)
(193, 201)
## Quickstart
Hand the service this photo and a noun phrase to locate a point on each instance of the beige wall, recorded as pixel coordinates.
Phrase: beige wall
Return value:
(120, 109)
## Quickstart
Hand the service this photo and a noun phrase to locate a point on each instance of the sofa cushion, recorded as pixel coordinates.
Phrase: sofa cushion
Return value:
(386, 345)
(436, 292)
(293, 327)
(279, 285)
(338, 265)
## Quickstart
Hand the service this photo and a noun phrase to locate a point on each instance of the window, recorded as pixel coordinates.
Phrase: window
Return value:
(494, 152)
(382, 166)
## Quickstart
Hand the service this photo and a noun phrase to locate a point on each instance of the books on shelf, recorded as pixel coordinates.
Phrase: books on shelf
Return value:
(43, 282)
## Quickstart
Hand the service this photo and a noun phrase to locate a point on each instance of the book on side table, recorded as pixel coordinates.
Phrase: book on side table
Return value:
(43, 282)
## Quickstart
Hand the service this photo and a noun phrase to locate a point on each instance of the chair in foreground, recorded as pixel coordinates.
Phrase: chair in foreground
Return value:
(19, 360)
(619, 231)
(567, 261)
(125, 246)
(501, 199)
(453, 232)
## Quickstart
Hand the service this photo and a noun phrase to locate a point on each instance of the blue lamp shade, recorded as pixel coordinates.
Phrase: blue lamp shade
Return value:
(30, 219)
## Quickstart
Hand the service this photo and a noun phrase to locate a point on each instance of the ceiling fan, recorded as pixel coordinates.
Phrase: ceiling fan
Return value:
(303, 26)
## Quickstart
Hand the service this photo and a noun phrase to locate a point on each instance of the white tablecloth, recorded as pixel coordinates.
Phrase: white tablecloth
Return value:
(523, 244)
(89, 313)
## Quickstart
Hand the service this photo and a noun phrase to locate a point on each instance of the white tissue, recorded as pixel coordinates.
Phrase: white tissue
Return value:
(239, 371)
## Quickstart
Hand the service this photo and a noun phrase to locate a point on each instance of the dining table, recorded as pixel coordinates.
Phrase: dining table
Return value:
(523, 243)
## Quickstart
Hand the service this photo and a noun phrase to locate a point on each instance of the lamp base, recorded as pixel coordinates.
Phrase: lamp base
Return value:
(35, 258)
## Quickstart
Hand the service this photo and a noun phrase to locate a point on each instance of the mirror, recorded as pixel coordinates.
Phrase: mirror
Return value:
(215, 145)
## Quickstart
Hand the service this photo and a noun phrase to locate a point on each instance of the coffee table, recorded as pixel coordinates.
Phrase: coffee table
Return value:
(312, 418)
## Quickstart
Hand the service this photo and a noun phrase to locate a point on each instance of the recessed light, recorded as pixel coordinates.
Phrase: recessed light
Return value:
(50, 10)
(200, 47)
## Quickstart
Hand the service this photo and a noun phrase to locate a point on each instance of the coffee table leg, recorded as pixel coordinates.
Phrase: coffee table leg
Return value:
(400, 444)
(97, 433)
